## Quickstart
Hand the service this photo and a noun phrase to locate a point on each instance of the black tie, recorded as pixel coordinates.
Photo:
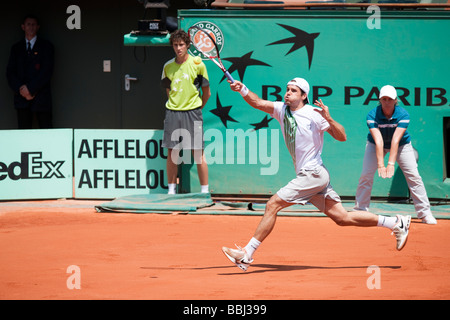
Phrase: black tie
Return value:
(29, 48)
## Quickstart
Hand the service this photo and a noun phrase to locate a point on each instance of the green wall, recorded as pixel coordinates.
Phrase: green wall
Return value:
(348, 63)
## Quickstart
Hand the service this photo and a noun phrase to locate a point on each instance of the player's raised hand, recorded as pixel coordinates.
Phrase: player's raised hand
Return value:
(336, 130)
(324, 111)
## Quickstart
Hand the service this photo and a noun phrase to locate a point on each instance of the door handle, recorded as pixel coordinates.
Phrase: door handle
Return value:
(128, 78)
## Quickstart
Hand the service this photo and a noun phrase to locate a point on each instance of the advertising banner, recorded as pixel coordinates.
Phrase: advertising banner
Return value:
(115, 163)
(36, 164)
(346, 56)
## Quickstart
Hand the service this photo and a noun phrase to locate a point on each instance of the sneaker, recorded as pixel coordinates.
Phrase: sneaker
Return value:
(238, 257)
(401, 230)
(429, 219)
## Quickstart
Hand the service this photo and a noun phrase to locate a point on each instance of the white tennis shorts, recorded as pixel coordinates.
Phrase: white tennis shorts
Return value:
(310, 186)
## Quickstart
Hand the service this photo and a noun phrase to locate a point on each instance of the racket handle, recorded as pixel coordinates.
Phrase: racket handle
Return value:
(228, 75)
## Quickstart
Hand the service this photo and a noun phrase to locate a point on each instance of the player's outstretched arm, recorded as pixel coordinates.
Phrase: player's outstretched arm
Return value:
(252, 98)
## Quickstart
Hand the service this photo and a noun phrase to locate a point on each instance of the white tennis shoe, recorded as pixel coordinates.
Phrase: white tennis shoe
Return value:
(401, 230)
(238, 257)
(429, 219)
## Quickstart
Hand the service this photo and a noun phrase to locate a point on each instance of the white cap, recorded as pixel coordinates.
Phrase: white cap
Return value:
(302, 84)
(388, 91)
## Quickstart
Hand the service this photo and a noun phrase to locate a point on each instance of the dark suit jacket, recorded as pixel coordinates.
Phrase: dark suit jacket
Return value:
(33, 70)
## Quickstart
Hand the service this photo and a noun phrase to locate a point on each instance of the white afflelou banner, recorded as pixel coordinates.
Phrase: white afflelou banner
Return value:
(80, 163)
(113, 163)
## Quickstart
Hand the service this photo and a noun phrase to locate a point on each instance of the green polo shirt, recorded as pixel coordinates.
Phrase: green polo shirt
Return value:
(184, 81)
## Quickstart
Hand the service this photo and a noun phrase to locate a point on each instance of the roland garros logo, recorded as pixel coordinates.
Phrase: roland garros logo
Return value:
(204, 42)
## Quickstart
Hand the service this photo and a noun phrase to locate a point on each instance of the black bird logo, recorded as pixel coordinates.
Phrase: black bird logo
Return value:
(241, 63)
(263, 124)
(300, 39)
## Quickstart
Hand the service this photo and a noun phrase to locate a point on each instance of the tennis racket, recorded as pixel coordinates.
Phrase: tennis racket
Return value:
(205, 43)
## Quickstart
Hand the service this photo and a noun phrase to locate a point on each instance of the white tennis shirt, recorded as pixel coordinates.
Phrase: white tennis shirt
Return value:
(309, 136)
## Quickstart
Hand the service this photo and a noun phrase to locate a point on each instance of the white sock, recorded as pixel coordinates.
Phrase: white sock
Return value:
(172, 188)
(387, 222)
(205, 188)
(251, 247)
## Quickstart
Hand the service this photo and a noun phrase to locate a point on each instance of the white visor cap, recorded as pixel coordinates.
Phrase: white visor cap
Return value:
(302, 84)
(388, 91)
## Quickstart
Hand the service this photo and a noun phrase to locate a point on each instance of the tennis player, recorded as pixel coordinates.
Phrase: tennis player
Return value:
(303, 128)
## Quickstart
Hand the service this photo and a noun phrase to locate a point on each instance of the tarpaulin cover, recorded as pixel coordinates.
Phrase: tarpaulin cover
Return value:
(201, 203)
(157, 203)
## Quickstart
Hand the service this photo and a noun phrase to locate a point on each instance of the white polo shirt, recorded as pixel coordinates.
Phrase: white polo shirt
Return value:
(309, 135)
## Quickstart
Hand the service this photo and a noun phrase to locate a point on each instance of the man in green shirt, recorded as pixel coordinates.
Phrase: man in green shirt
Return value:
(186, 81)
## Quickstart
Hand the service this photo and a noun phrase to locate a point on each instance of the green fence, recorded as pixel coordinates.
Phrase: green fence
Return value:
(346, 56)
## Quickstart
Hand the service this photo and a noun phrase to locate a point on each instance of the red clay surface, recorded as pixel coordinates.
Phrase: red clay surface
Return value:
(166, 256)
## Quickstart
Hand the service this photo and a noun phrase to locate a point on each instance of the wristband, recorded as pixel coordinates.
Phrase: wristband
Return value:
(244, 90)
(391, 163)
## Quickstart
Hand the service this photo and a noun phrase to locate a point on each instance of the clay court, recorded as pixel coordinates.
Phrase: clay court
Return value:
(178, 256)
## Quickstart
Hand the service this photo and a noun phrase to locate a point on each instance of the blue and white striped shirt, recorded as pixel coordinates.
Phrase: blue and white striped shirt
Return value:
(377, 119)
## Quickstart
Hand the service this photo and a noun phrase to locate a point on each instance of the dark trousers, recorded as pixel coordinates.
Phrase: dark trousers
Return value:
(25, 119)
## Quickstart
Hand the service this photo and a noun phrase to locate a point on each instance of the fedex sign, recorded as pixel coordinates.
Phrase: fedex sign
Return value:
(36, 164)
(31, 166)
